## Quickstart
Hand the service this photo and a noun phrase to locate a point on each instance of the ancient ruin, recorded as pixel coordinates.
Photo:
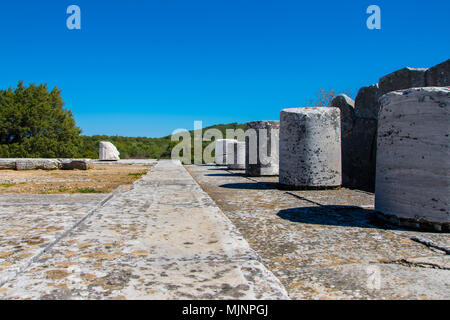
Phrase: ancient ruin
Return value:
(363, 150)
(262, 148)
(310, 147)
(108, 152)
(236, 155)
(221, 151)
(413, 171)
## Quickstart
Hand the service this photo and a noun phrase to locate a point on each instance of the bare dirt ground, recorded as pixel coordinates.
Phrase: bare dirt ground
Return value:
(100, 179)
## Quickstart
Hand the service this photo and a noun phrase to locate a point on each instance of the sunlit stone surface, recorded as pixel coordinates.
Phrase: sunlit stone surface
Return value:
(413, 171)
(262, 144)
(310, 147)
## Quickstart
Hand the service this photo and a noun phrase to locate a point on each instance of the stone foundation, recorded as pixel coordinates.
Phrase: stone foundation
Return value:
(413, 171)
(236, 155)
(262, 139)
(310, 147)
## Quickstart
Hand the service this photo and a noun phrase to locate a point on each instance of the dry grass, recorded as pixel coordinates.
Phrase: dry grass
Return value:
(100, 179)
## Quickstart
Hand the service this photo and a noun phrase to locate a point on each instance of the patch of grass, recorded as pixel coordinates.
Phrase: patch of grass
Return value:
(138, 174)
(63, 189)
(88, 190)
(7, 185)
(22, 183)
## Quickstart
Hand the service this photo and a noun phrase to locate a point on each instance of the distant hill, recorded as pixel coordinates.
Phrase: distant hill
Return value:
(140, 147)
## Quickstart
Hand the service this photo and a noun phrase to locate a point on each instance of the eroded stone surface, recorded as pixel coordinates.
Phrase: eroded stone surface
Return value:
(403, 79)
(262, 148)
(164, 239)
(439, 75)
(413, 171)
(347, 107)
(34, 164)
(236, 155)
(78, 164)
(221, 151)
(108, 152)
(326, 244)
(310, 147)
(31, 222)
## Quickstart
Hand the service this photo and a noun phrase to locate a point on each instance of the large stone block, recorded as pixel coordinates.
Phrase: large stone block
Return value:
(366, 103)
(76, 164)
(236, 155)
(347, 107)
(310, 147)
(363, 155)
(261, 148)
(439, 75)
(7, 164)
(364, 140)
(413, 167)
(221, 151)
(108, 152)
(35, 164)
(403, 79)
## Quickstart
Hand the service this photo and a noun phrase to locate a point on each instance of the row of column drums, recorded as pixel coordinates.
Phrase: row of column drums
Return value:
(304, 150)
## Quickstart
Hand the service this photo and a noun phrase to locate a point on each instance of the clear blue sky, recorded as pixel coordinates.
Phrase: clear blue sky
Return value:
(145, 68)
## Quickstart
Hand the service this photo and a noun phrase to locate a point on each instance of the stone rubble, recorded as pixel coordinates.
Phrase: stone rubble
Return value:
(45, 164)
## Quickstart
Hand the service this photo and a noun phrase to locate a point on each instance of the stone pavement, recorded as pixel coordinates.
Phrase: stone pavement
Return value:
(163, 239)
(326, 244)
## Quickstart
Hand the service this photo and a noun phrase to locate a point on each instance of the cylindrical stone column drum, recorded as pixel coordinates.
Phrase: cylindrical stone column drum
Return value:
(310, 147)
(261, 148)
(236, 155)
(221, 151)
(413, 158)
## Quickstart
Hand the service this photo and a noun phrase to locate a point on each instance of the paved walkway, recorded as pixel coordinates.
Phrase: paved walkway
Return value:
(325, 244)
(164, 239)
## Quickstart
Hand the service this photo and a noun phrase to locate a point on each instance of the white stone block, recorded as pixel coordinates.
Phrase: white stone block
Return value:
(108, 152)
(310, 147)
(413, 167)
(35, 164)
(221, 151)
(7, 164)
(236, 155)
(262, 148)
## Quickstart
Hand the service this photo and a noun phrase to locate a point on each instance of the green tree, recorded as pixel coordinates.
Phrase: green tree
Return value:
(34, 123)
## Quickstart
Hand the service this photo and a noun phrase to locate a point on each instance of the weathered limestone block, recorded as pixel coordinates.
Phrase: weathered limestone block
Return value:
(236, 155)
(35, 164)
(7, 164)
(366, 103)
(363, 155)
(413, 167)
(439, 75)
(310, 147)
(108, 152)
(261, 148)
(361, 167)
(76, 164)
(347, 107)
(221, 151)
(403, 79)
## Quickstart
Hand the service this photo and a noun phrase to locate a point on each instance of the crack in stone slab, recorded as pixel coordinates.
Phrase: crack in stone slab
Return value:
(430, 244)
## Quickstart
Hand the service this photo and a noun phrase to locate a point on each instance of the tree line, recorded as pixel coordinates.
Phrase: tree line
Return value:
(35, 124)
